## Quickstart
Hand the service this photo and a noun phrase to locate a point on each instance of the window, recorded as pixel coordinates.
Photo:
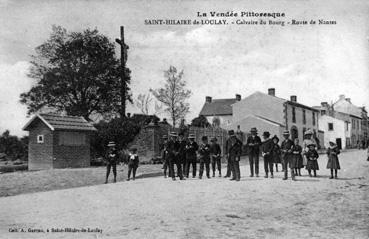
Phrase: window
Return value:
(353, 124)
(40, 139)
(72, 138)
(322, 112)
(347, 126)
(293, 115)
(313, 118)
(330, 126)
(304, 116)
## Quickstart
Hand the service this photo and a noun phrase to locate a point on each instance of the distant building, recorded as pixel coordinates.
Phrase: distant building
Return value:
(57, 141)
(335, 130)
(219, 108)
(267, 112)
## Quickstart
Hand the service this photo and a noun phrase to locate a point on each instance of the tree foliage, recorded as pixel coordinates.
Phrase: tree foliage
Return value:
(200, 121)
(77, 73)
(174, 95)
(14, 147)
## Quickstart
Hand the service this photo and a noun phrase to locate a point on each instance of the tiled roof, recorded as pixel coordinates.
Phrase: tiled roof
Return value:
(60, 122)
(218, 107)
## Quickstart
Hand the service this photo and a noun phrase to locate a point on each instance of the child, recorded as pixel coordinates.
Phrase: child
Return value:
(132, 163)
(333, 162)
(312, 156)
(297, 157)
(276, 152)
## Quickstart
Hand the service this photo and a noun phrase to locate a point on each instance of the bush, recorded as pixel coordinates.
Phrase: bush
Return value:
(12, 147)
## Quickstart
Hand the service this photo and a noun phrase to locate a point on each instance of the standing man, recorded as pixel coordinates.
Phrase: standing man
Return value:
(204, 152)
(172, 154)
(253, 144)
(266, 152)
(215, 152)
(182, 153)
(286, 149)
(233, 151)
(112, 158)
(191, 157)
(164, 155)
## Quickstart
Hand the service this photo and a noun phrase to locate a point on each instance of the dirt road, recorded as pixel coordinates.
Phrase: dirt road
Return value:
(209, 208)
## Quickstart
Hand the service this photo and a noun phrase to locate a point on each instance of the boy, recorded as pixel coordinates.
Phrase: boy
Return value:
(132, 163)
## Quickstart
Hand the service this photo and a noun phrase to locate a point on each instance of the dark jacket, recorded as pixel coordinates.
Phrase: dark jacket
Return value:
(312, 154)
(215, 150)
(182, 149)
(267, 148)
(173, 149)
(133, 160)
(204, 152)
(233, 147)
(276, 153)
(112, 157)
(253, 144)
(191, 149)
(286, 148)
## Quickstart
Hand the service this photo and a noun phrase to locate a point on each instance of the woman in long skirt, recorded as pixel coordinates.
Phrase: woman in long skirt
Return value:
(333, 162)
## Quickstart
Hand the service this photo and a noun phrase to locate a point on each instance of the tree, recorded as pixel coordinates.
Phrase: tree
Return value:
(77, 73)
(14, 147)
(143, 103)
(200, 121)
(174, 95)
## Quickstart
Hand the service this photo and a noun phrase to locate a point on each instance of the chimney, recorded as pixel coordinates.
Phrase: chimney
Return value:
(238, 97)
(293, 98)
(208, 99)
(271, 91)
(324, 104)
(348, 100)
(342, 97)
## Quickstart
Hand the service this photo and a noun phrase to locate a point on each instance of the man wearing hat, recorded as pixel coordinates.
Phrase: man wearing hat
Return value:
(191, 157)
(173, 156)
(266, 152)
(164, 155)
(215, 153)
(112, 158)
(253, 144)
(233, 152)
(204, 152)
(286, 149)
(182, 152)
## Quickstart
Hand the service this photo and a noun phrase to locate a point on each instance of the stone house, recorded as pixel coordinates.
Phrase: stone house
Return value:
(57, 141)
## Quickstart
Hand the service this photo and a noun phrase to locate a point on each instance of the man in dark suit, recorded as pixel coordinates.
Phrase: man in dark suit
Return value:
(181, 154)
(233, 152)
(215, 152)
(112, 158)
(253, 144)
(191, 157)
(266, 152)
(286, 149)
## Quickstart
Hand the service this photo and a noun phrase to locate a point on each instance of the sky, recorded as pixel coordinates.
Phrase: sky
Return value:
(315, 62)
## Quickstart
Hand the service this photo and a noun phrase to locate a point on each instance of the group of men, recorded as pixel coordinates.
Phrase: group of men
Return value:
(182, 153)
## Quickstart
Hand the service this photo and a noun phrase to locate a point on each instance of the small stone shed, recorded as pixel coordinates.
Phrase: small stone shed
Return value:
(57, 141)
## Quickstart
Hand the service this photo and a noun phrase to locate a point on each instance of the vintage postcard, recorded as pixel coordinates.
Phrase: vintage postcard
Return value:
(184, 119)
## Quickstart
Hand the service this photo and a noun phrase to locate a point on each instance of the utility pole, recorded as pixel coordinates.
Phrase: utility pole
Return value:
(123, 59)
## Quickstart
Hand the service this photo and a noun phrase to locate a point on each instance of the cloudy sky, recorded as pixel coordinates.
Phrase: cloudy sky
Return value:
(316, 63)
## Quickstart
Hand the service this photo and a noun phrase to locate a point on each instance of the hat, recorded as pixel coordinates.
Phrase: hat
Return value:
(253, 130)
(133, 149)
(191, 136)
(214, 139)
(173, 134)
(266, 134)
(311, 144)
(286, 132)
(331, 142)
(181, 134)
(308, 132)
(231, 132)
(165, 136)
(111, 144)
(275, 137)
(204, 137)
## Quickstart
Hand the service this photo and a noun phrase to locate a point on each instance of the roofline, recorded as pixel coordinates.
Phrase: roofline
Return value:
(301, 105)
(42, 119)
(216, 115)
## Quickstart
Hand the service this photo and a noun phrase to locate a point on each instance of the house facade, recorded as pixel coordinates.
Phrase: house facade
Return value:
(58, 142)
(334, 130)
(220, 109)
(275, 115)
